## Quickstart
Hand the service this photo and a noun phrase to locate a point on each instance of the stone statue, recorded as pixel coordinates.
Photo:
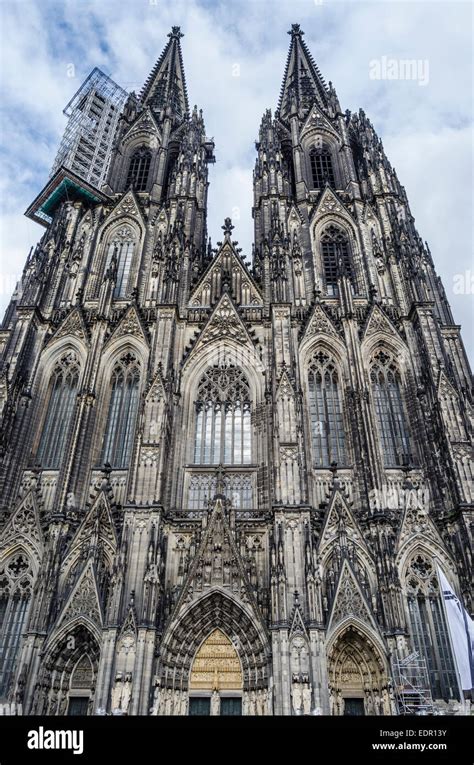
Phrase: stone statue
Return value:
(156, 700)
(117, 692)
(377, 702)
(270, 701)
(166, 702)
(307, 700)
(183, 709)
(369, 703)
(297, 698)
(253, 703)
(215, 704)
(126, 694)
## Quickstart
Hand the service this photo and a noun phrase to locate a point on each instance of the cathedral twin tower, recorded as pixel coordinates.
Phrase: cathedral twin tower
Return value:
(225, 489)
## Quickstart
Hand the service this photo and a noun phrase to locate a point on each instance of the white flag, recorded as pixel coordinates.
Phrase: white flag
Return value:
(461, 628)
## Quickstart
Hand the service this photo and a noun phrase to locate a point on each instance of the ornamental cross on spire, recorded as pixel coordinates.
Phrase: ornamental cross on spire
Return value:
(175, 33)
(296, 31)
(227, 227)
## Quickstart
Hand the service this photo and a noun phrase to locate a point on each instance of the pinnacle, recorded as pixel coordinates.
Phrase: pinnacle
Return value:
(165, 88)
(303, 83)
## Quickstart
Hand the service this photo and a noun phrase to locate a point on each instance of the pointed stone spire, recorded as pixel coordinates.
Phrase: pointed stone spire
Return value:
(165, 89)
(303, 83)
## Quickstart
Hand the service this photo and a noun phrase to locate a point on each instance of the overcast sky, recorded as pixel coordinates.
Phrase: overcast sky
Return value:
(426, 128)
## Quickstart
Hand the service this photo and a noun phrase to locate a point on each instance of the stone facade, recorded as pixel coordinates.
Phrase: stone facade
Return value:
(257, 530)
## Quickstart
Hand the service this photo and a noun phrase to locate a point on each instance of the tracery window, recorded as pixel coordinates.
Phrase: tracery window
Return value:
(321, 167)
(237, 489)
(390, 414)
(119, 259)
(222, 430)
(139, 169)
(123, 407)
(325, 407)
(335, 257)
(60, 409)
(428, 627)
(16, 579)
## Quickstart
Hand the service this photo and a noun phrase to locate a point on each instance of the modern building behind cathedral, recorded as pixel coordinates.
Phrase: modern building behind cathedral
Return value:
(228, 489)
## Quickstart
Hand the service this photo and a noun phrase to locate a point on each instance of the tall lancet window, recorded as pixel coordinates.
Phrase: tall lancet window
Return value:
(223, 432)
(59, 413)
(390, 414)
(428, 627)
(119, 259)
(321, 167)
(336, 258)
(123, 408)
(139, 169)
(325, 406)
(15, 592)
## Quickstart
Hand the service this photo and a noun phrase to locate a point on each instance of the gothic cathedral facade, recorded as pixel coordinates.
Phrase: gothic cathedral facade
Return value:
(226, 488)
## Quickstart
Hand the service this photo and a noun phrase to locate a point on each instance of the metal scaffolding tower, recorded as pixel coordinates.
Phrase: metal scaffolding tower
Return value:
(412, 686)
(87, 142)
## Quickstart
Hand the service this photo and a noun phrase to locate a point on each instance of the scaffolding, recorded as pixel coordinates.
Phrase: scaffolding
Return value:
(412, 685)
(93, 113)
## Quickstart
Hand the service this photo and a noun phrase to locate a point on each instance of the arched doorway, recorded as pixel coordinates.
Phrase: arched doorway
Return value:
(358, 679)
(231, 632)
(69, 671)
(216, 682)
(81, 687)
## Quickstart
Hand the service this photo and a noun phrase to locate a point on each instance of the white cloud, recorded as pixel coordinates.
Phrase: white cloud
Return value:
(425, 130)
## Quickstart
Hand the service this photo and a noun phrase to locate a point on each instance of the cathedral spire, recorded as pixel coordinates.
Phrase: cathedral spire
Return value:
(165, 89)
(303, 83)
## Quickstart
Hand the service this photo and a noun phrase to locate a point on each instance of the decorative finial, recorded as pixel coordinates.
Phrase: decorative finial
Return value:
(175, 33)
(227, 227)
(295, 31)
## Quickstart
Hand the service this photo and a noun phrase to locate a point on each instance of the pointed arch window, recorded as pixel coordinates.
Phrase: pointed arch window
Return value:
(16, 579)
(223, 407)
(139, 169)
(389, 411)
(322, 171)
(336, 258)
(325, 406)
(123, 408)
(62, 397)
(428, 627)
(119, 259)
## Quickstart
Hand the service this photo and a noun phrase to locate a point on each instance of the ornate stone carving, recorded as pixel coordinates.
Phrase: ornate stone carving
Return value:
(329, 203)
(73, 325)
(84, 599)
(224, 324)
(129, 325)
(217, 665)
(379, 322)
(320, 323)
(126, 206)
(349, 600)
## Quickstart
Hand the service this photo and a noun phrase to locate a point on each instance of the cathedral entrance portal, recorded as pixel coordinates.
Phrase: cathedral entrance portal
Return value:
(358, 683)
(216, 682)
(214, 661)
